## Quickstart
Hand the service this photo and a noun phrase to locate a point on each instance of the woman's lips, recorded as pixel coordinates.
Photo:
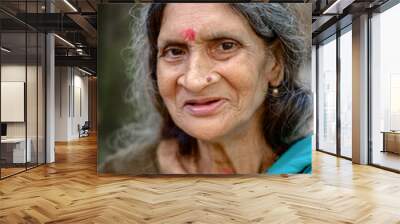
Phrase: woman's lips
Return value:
(203, 107)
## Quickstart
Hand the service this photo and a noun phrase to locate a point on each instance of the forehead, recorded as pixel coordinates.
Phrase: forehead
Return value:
(202, 18)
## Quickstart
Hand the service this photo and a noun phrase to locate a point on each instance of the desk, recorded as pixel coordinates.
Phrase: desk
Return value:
(15, 148)
(391, 141)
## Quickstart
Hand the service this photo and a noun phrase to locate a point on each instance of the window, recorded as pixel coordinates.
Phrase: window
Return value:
(385, 88)
(327, 96)
(346, 93)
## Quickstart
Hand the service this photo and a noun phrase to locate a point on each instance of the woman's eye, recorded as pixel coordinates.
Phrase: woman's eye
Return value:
(173, 53)
(225, 49)
(227, 46)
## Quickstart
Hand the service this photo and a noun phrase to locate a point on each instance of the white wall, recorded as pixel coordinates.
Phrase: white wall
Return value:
(12, 73)
(62, 81)
(33, 126)
(71, 94)
(16, 73)
(80, 110)
(12, 101)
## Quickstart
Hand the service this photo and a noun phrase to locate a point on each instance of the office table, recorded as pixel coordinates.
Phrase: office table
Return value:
(13, 150)
(391, 141)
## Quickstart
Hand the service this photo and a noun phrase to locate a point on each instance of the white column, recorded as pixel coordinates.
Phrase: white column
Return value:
(50, 93)
(50, 110)
(360, 90)
(314, 91)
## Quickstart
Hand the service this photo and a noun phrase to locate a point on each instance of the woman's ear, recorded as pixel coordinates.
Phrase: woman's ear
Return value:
(276, 72)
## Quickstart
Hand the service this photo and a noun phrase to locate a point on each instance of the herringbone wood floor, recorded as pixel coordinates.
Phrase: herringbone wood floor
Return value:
(70, 191)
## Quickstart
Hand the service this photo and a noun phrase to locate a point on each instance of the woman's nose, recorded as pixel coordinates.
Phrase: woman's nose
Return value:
(198, 73)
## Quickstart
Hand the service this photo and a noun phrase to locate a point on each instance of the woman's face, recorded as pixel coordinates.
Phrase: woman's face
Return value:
(212, 69)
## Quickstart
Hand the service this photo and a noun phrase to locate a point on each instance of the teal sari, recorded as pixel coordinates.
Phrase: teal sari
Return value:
(297, 159)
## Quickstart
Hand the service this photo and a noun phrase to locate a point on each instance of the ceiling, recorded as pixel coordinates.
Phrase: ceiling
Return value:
(73, 20)
(332, 15)
(76, 22)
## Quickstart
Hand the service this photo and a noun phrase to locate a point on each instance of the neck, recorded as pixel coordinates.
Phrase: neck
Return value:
(244, 151)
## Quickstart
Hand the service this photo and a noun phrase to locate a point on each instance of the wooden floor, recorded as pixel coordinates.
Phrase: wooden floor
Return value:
(387, 159)
(10, 171)
(70, 191)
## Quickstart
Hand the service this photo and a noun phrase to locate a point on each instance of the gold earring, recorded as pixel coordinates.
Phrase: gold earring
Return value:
(275, 92)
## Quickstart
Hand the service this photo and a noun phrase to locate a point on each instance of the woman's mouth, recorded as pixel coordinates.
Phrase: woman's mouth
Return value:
(203, 107)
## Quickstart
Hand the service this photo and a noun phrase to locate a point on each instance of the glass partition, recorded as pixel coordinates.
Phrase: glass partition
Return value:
(41, 86)
(385, 89)
(346, 93)
(22, 77)
(314, 92)
(327, 96)
(31, 100)
(14, 152)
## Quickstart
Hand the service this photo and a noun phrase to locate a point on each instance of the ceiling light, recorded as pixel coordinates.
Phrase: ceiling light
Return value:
(331, 7)
(70, 5)
(5, 50)
(86, 72)
(79, 51)
(65, 41)
(338, 6)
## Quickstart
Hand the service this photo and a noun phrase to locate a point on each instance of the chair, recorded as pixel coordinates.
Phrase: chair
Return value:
(84, 130)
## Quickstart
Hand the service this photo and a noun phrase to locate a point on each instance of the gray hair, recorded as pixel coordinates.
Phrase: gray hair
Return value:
(288, 116)
(146, 120)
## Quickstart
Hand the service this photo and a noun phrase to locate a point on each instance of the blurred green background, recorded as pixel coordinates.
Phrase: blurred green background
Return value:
(113, 37)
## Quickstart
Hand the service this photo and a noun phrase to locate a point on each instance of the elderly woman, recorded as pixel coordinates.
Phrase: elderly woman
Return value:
(216, 90)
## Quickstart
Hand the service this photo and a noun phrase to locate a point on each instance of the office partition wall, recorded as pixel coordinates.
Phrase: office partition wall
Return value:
(14, 147)
(22, 77)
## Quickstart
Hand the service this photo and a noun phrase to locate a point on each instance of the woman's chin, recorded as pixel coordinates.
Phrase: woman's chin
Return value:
(206, 132)
(206, 128)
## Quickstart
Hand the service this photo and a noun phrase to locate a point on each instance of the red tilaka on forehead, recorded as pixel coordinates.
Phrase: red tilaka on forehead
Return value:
(189, 34)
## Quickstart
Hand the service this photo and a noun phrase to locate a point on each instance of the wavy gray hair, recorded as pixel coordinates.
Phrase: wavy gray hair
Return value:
(288, 116)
